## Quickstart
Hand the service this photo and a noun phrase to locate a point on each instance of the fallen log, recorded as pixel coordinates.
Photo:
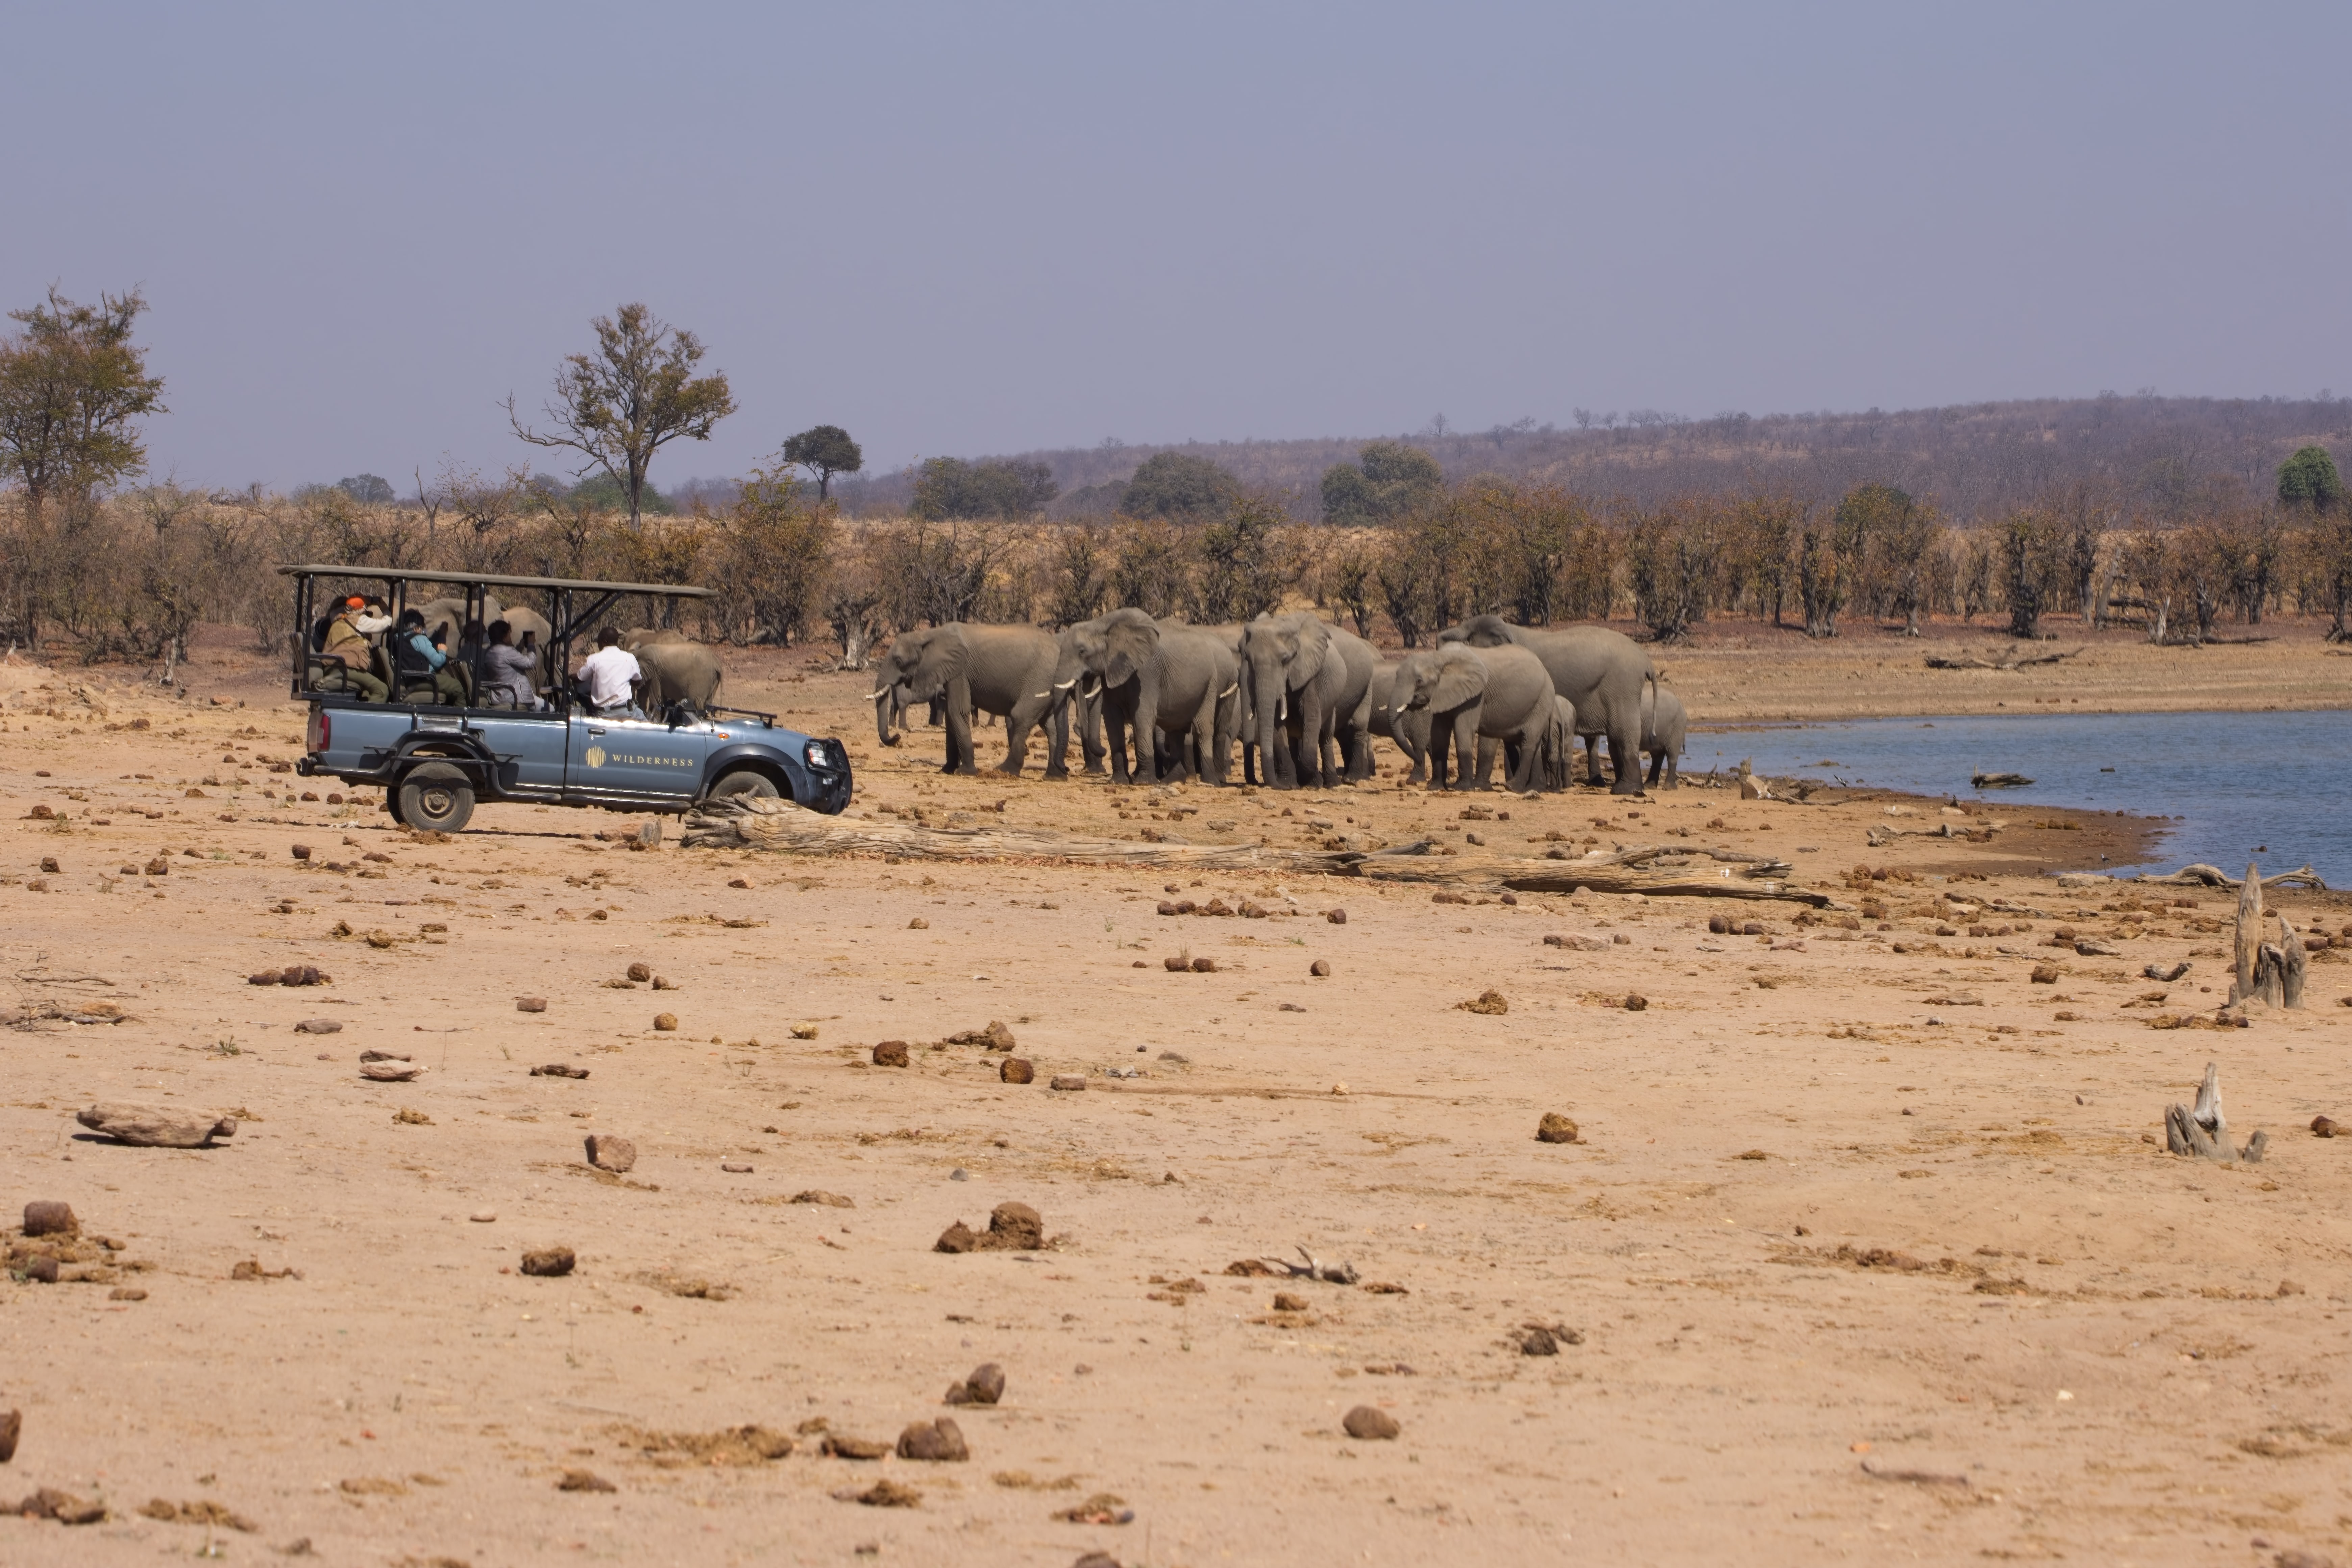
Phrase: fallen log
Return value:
(1999, 781)
(2203, 875)
(2006, 661)
(746, 822)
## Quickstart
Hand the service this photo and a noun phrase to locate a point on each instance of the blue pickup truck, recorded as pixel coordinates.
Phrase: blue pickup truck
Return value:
(435, 759)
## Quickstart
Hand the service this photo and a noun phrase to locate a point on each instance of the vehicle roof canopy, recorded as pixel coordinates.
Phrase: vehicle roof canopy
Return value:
(577, 585)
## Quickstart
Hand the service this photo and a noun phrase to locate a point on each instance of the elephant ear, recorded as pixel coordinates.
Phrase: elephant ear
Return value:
(950, 652)
(1308, 646)
(1461, 680)
(1127, 646)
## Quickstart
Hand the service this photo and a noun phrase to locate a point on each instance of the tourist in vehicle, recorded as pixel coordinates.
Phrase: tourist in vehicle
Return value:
(345, 656)
(508, 670)
(419, 660)
(612, 676)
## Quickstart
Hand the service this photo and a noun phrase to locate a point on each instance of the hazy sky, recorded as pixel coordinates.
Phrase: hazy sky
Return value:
(970, 229)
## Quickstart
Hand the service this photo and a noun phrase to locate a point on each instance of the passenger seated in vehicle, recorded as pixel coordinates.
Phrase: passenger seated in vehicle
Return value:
(507, 671)
(424, 670)
(612, 676)
(344, 656)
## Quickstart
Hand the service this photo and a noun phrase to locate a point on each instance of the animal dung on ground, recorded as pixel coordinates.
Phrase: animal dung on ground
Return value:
(203, 1512)
(995, 1038)
(735, 1167)
(151, 1126)
(1103, 1507)
(46, 1216)
(1320, 969)
(531, 1004)
(918, 923)
(607, 1153)
(641, 973)
(2321, 1127)
(2044, 974)
(1337, 917)
(1637, 1003)
(1011, 1227)
(584, 1481)
(882, 1494)
(549, 1262)
(665, 1022)
(890, 1054)
(12, 1426)
(830, 1200)
(407, 1117)
(1068, 1082)
(985, 1385)
(1555, 1129)
(63, 1507)
(1286, 1301)
(385, 1066)
(1176, 965)
(2167, 973)
(1016, 1069)
(939, 1441)
(559, 1070)
(804, 1031)
(293, 974)
(1368, 1423)
(841, 1446)
(299, 851)
(1489, 1002)
(320, 1026)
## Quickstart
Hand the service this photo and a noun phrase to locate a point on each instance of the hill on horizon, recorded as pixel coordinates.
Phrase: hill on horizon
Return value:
(2162, 457)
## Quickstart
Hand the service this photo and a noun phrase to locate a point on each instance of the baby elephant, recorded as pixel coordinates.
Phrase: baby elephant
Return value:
(1661, 737)
(1474, 693)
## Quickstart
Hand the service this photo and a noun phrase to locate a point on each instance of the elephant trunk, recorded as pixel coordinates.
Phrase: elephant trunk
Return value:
(886, 699)
(1268, 708)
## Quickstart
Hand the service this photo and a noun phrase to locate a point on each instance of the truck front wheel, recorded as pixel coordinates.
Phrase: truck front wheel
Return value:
(437, 797)
(745, 782)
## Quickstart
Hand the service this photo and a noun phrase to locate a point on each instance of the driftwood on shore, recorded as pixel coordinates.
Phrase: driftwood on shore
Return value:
(2268, 971)
(2010, 659)
(2202, 1131)
(744, 822)
(2203, 875)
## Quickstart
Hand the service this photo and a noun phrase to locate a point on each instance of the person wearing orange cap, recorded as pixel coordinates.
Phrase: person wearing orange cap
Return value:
(347, 645)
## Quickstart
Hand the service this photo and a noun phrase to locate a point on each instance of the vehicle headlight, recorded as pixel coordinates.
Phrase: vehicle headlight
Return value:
(821, 754)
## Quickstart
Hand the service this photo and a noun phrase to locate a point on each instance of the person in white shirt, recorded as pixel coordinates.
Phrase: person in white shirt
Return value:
(612, 676)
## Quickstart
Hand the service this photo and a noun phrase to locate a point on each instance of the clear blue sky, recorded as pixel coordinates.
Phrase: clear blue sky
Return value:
(971, 229)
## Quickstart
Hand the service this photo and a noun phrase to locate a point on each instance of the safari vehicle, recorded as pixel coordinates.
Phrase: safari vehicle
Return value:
(435, 759)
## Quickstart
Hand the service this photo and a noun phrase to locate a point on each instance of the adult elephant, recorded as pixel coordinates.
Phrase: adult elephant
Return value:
(1603, 673)
(1662, 737)
(1154, 678)
(1008, 670)
(1472, 694)
(677, 672)
(445, 619)
(1317, 678)
(1409, 731)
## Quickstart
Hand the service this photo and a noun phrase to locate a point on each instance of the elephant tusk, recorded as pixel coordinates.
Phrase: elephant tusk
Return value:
(1044, 694)
(1064, 685)
(878, 697)
(1229, 691)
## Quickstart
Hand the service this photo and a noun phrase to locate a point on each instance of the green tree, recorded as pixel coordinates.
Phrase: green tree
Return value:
(368, 489)
(2308, 480)
(72, 387)
(1001, 488)
(1179, 485)
(1387, 480)
(634, 395)
(824, 450)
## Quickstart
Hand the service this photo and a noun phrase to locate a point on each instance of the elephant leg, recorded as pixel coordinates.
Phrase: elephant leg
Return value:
(1674, 770)
(1115, 743)
(1462, 734)
(1657, 765)
(961, 758)
(1018, 727)
(1204, 746)
(1522, 777)
(1626, 759)
(1057, 741)
(1593, 776)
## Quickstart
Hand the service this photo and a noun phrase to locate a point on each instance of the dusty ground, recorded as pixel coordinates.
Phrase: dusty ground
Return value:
(2130, 1358)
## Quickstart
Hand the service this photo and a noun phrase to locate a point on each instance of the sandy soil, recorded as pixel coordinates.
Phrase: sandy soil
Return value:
(1843, 1198)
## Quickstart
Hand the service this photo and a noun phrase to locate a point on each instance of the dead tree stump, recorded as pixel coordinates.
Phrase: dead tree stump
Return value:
(2269, 971)
(2202, 1131)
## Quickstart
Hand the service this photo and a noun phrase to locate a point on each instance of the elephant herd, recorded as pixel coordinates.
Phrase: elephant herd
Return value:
(1304, 699)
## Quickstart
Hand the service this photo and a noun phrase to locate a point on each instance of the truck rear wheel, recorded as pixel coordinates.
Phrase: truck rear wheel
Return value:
(435, 796)
(745, 782)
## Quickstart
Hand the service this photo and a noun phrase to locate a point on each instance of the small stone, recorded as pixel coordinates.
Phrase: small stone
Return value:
(381, 1068)
(484, 1216)
(549, 1262)
(918, 923)
(1204, 966)
(1555, 1129)
(641, 973)
(531, 1004)
(1637, 1003)
(607, 1153)
(986, 1384)
(665, 1022)
(1283, 1301)
(584, 1481)
(1320, 969)
(320, 1026)
(1337, 917)
(46, 1216)
(1068, 1082)
(939, 1441)
(735, 1167)
(1367, 1423)
(1016, 1069)
(150, 1127)
(890, 1054)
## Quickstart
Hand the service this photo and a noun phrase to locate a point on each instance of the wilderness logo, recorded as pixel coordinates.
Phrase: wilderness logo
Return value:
(596, 757)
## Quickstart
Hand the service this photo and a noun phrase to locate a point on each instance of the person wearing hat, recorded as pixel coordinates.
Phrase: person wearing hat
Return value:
(347, 647)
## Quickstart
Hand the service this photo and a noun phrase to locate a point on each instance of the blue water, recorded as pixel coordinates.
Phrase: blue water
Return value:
(2268, 787)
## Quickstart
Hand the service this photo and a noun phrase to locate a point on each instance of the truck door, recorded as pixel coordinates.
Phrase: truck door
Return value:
(623, 759)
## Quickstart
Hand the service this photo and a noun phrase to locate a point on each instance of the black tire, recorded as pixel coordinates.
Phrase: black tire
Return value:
(746, 781)
(437, 797)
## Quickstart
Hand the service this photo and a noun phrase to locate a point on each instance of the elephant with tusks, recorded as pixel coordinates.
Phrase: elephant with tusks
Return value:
(1159, 678)
(1603, 673)
(1014, 672)
(1475, 695)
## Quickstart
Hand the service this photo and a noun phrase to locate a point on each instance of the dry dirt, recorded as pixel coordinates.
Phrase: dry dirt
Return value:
(1872, 1202)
